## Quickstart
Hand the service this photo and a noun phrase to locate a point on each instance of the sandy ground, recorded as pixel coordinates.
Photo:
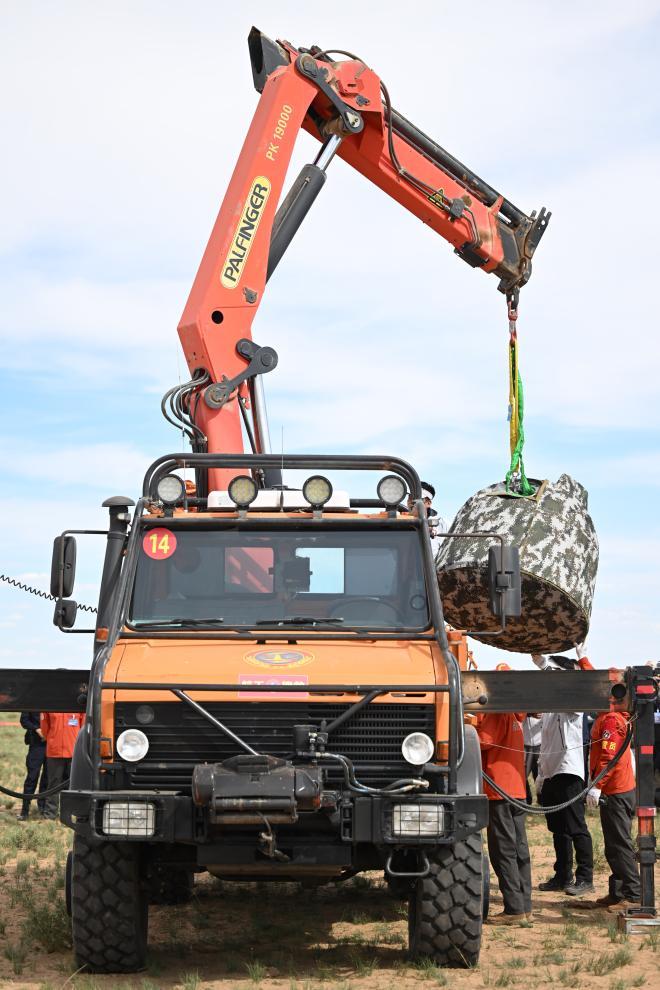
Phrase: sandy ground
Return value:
(350, 936)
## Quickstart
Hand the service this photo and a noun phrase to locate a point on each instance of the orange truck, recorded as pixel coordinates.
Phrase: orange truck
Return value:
(274, 694)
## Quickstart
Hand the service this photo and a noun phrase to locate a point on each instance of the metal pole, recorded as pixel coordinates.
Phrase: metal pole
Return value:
(260, 416)
(272, 475)
(644, 694)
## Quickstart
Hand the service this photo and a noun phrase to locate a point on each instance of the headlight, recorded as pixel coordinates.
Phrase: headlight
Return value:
(391, 490)
(418, 819)
(242, 490)
(170, 489)
(129, 818)
(417, 748)
(132, 745)
(317, 490)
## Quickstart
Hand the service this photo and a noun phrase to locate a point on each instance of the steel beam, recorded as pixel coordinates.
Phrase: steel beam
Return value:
(483, 691)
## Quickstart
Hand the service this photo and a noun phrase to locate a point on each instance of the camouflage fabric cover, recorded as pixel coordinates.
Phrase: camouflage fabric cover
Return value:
(558, 563)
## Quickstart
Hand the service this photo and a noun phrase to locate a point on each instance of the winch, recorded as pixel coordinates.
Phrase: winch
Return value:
(246, 789)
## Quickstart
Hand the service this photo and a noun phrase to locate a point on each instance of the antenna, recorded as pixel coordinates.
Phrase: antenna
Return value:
(282, 467)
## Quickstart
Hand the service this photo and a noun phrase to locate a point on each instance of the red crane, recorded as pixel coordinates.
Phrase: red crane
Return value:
(347, 107)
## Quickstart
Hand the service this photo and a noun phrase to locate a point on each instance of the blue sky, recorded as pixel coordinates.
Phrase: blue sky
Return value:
(121, 127)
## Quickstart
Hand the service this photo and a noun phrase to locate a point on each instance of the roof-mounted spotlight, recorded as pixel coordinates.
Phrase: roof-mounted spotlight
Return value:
(391, 491)
(170, 489)
(317, 490)
(242, 490)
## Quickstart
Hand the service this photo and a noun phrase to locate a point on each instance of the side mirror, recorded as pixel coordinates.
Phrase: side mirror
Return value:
(504, 581)
(63, 566)
(64, 615)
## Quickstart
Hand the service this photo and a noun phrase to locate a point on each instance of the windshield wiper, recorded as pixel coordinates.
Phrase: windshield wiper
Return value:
(301, 620)
(215, 621)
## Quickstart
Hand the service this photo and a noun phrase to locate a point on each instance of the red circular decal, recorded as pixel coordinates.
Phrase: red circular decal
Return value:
(159, 544)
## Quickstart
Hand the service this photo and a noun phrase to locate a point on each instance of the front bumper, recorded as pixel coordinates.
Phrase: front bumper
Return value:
(357, 819)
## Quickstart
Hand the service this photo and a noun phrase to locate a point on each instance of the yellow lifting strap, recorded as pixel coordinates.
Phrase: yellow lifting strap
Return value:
(514, 414)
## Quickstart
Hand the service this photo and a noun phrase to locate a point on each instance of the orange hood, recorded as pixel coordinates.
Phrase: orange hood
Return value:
(247, 664)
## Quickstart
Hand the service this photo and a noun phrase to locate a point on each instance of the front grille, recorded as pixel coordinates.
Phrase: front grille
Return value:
(179, 737)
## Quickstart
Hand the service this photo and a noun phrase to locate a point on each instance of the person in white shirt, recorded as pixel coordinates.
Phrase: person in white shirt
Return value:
(561, 777)
(437, 523)
(532, 738)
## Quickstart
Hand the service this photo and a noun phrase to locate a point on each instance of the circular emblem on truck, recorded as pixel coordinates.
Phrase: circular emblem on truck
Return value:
(278, 658)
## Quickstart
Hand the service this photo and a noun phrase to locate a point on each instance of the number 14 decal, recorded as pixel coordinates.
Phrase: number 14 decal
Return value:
(159, 544)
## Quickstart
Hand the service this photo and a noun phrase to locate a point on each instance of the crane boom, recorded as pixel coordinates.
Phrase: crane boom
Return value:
(347, 107)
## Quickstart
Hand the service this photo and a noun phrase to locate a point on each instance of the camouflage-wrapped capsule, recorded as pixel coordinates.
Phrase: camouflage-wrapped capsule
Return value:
(558, 563)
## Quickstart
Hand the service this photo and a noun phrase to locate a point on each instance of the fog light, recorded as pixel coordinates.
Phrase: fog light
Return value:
(170, 489)
(132, 745)
(417, 748)
(242, 490)
(129, 818)
(317, 490)
(391, 490)
(418, 819)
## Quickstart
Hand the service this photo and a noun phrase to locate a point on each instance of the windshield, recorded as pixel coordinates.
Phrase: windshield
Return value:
(227, 578)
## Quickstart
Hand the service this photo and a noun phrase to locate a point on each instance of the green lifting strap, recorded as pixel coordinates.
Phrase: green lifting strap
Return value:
(516, 429)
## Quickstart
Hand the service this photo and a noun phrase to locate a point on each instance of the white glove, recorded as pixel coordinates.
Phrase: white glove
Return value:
(593, 797)
(540, 661)
(579, 651)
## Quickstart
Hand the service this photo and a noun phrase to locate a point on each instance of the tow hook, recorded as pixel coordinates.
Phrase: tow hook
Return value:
(423, 871)
(266, 844)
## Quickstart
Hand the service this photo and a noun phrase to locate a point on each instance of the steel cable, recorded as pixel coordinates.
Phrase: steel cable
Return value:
(550, 809)
(38, 592)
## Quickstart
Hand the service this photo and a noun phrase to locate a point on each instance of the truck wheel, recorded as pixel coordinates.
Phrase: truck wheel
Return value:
(109, 907)
(445, 915)
(170, 886)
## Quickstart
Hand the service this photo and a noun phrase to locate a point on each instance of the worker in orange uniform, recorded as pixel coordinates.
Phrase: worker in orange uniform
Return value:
(615, 799)
(503, 758)
(60, 730)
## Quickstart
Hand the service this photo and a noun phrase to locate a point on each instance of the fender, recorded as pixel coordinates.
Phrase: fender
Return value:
(469, 779)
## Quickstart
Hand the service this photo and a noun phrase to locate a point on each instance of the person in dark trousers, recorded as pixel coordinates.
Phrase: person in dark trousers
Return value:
(502, 750)
(615, 798)
(35, 762)
(60, 730)
(561, 778)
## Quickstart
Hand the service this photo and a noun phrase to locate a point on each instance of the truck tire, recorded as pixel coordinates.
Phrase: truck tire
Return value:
(170, 886)
(109, 908)
(445, 915)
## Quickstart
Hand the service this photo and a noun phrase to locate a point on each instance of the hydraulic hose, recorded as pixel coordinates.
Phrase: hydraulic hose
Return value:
(34, 797)
(403, 786)
(550, 809)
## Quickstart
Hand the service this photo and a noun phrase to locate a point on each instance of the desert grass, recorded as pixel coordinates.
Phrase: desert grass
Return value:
(351, 935)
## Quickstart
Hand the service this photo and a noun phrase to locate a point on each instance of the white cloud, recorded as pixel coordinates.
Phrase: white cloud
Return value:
(110, 467)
